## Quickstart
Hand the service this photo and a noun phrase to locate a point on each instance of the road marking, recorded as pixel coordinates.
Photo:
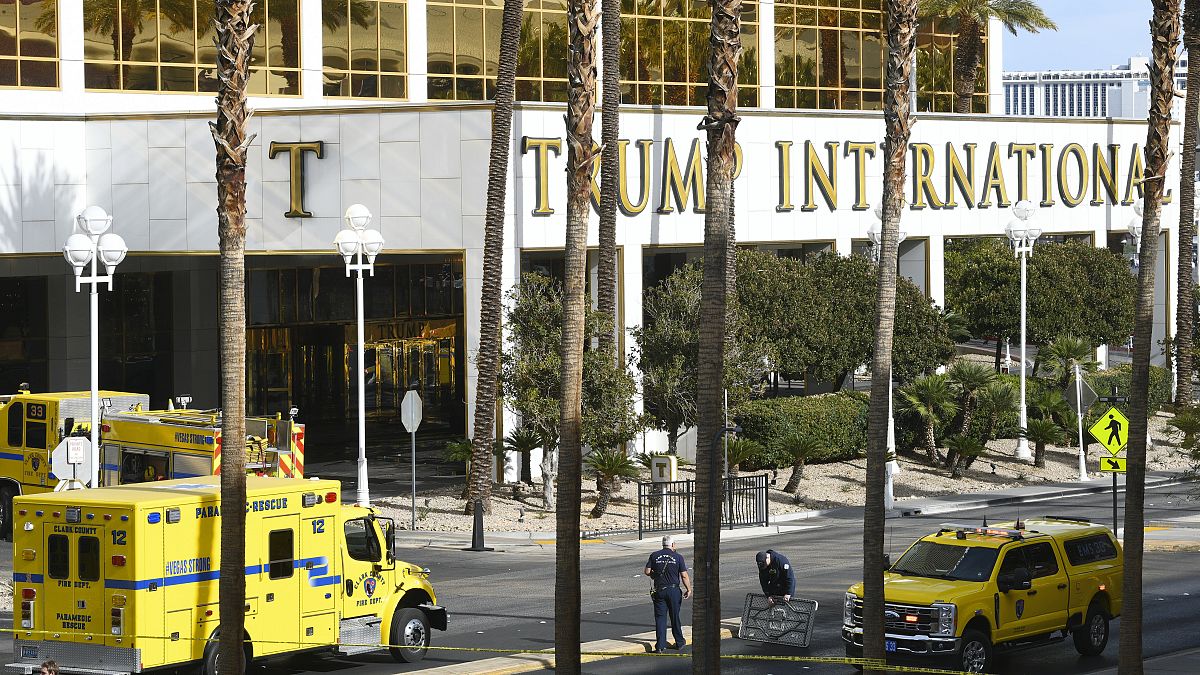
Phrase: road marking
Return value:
(551, 542)
(1154, 528)
(528, 663)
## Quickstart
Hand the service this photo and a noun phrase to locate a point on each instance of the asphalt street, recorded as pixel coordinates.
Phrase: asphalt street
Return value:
(504, 599)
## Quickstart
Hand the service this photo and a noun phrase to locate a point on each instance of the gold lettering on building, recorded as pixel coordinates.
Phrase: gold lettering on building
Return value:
(958, 178)
(542, 147)
(861, 152)
(785, 176)
(1022, 151)
(295, 151)
(1073, 197)
(994, 181)
(627, 207)
(922, 182)
(1104, 172)
(676, 185)
(826, 177)
(1047, 174)
(1137, 173)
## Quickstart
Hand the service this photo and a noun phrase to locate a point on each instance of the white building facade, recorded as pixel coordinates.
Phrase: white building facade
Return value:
(1120, 91)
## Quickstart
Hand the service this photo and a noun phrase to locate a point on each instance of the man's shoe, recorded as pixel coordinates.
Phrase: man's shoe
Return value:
(677, 645)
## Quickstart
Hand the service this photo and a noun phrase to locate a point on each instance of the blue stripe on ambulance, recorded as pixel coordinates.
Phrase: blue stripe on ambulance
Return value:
(22, 578)
(13, 456)
(317, 576)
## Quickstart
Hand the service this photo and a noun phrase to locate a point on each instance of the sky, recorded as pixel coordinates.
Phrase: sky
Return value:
(1091, 34)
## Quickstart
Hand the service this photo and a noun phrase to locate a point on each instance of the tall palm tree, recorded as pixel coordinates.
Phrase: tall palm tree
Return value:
(582, 19)
(1067, 351)
(901, 38)
(932, 400)
(969, 378)
(491, 304)
(720, 124)
(1185, 312)
(230, 132)
(610, 121)
(971, 19)
(1164, 33)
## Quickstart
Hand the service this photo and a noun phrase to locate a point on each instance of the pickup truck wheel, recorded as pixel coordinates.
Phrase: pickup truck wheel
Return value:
(976, 653)
(1092, 637)
(409, 635)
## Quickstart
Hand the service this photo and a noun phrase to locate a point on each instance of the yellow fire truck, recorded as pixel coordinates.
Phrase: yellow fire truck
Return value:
(125, 579)
(138, 445)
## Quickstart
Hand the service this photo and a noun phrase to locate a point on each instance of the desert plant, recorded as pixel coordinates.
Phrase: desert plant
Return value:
(801, 447)
(931, 399)
(969, 378)
(1061, 356)
(1187, 422)
(740, 451)
(523, 441)
(996, 401)
(963, 448)
(1042, 432)
(608, 466)
(1050, 404)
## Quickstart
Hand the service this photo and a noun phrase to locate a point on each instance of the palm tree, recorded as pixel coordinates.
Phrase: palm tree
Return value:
(490, 301)
(581, 154)
(963, 448)
(524, 441)
(801, 447)
(739, 451)
(610, 109)
(1043, 432)
(931, 399)
(1048, 404)
(608, 466)
(971, 19)
(1164, 32)
(720, 124)
(1185, 313)
(460, 451)
(1061, 356)
(957, 326)
(901, 37)
(969, 378)
(230, 132)
(996, 400)
(1187, 422)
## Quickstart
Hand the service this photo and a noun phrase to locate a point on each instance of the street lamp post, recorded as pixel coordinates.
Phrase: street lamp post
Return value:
(89, 244)
(875, 234)
(1023, 235)
(352, 243)
(1135, 233)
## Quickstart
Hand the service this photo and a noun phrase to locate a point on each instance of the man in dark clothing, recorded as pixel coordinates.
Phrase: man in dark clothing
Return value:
(669, 572)
(775, 575)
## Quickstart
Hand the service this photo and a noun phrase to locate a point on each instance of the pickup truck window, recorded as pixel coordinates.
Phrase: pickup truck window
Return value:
(944, 561)
(1087, 550)
(1042, 561)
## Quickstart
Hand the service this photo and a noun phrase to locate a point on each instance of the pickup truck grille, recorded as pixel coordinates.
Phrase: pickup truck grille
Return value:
(895, 618)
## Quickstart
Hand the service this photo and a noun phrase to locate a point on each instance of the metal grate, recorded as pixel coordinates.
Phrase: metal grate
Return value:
(786, 622)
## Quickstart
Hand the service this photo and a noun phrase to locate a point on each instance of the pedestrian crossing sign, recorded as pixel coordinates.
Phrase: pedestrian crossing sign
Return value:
(1111, 430)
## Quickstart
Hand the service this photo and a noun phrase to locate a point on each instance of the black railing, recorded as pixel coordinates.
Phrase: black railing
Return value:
(668, 506)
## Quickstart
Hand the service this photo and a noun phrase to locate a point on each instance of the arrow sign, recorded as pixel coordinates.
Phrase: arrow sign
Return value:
(410, 411)
(1112, 464)
(1111, 430)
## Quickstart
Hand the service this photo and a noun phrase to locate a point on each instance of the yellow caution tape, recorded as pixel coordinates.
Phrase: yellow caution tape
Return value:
(865, 663)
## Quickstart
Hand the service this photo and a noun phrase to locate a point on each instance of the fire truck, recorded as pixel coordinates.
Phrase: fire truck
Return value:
(138, 445)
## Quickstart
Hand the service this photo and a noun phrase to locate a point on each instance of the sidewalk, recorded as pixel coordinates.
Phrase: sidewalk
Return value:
(1187, 661)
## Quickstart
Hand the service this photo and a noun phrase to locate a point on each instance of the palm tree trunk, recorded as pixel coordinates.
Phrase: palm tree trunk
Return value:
(1039, 455)
(526, 468)
(930, 442)
(582, 19)
(967, 54)
(1185, 312)
(673, 440)
(490, 302)
(901, 35)
(1164, 31)
(604, 494)
(725, 51)
(235, 39)
(610, 111)
(793, 484)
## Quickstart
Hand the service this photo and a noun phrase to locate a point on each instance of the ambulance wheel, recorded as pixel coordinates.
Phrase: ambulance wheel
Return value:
(6, 510)
(209, 665)
(410, 632)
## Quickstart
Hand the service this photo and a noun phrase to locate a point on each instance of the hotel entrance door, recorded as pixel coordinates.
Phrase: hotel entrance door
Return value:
(394, 366)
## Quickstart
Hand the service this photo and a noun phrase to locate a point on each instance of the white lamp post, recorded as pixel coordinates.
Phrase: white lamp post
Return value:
(1023, 235)
(875, 234)
(91, 243)
(1135, 233)
(352, 243)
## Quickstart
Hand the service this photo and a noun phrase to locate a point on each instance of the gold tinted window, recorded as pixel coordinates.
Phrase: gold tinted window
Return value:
(364, 48)
(29, 43)
(830, 54)
(167, 45)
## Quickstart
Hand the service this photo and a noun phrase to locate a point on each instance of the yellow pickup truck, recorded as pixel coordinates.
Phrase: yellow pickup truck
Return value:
(963, 593)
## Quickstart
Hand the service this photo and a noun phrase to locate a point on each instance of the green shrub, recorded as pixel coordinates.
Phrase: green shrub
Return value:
(840, 419)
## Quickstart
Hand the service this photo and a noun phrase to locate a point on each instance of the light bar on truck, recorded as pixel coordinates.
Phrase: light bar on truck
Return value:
(963, 530)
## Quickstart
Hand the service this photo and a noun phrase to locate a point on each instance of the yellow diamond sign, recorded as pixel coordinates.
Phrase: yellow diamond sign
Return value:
(1111, 430)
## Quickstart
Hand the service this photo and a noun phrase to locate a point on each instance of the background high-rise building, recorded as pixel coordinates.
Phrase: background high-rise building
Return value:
(1120, 91)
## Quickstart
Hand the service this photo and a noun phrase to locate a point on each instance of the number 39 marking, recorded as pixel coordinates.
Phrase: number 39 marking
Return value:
(318, 526)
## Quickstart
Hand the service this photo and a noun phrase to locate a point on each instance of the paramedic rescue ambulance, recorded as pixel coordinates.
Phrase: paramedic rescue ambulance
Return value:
(124, 579)
(138, 445)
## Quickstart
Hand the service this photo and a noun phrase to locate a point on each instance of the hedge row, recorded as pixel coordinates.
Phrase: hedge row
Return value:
(839, 419)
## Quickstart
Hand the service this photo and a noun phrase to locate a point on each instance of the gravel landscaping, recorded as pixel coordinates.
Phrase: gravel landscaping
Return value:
(824, 486)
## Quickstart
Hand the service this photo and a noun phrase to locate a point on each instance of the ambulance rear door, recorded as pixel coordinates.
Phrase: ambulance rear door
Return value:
(74, 584)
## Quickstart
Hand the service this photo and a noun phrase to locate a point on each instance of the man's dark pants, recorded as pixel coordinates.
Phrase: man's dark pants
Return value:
(666, 605)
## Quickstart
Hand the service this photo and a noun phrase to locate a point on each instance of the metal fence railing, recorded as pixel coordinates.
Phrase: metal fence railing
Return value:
(669, 506)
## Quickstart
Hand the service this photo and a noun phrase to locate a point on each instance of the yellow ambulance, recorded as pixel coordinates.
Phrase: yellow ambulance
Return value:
(124, 579)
